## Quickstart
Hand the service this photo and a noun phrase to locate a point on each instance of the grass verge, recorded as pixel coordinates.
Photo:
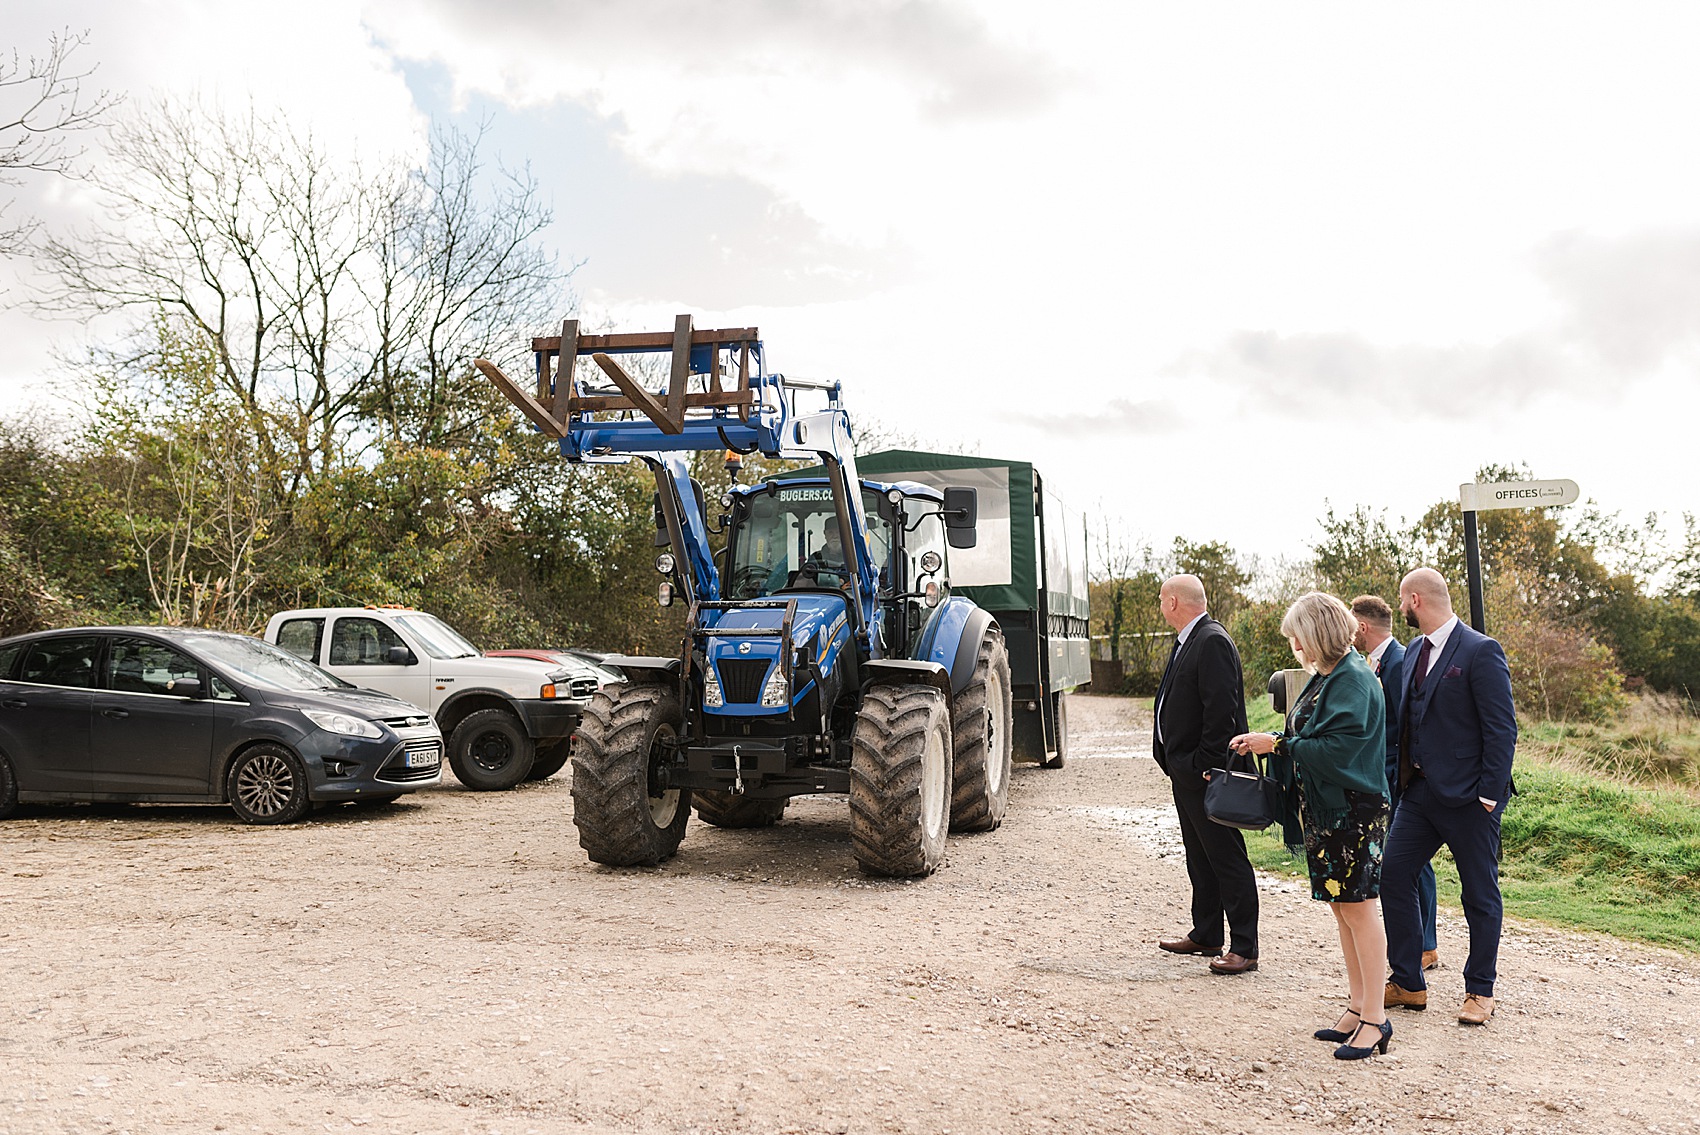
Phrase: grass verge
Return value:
(1579, 851)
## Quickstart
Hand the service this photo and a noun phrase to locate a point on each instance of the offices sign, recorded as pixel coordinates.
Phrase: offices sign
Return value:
(1502, 494)
(1517, 494)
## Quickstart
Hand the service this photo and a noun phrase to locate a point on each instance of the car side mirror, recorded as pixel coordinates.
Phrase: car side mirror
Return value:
(961, 515)
(184, 688)
(399, 656)
(1278, 691)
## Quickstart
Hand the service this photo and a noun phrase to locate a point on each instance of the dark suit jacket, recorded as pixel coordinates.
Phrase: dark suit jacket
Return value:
(1392, 674)
(1463, 726)
(1201, 705)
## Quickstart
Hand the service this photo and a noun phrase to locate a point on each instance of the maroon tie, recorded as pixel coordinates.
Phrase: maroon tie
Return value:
(1422, 663)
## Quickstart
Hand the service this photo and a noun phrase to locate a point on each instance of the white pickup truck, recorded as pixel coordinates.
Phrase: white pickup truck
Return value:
(507, 719)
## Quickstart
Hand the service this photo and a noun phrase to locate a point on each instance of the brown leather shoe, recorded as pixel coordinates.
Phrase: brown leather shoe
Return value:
(1431, 960)
(1398, 997)
(1476, 1011)
(1231, 964)
(1186, 946)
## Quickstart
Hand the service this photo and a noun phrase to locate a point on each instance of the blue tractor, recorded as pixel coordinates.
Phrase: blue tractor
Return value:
(824, 652)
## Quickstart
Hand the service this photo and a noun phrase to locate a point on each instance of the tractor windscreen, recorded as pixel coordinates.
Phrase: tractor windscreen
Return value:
(789, 538)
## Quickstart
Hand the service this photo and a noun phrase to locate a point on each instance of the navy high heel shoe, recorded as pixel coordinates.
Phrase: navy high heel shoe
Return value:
(1348, 1052)
(1336, 1036)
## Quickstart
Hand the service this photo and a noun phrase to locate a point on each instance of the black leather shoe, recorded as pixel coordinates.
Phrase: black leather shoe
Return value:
(1186, 946)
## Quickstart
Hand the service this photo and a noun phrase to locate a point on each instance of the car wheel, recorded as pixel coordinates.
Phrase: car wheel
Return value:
(267, 785)
(489, 750)
(8, 788)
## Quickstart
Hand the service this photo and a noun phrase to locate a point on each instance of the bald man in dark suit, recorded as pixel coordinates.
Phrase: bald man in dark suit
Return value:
(1201, 706)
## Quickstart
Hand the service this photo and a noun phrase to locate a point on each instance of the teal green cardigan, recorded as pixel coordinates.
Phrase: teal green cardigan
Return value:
(1343, 745)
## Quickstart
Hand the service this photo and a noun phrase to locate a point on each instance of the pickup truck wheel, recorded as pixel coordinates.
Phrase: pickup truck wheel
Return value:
(625, 813)
(551, 758)
(489, 750)
(724, 810)
(900, 768)
(1060, 757)
(984, 711)
(267, 785)
(8, 788)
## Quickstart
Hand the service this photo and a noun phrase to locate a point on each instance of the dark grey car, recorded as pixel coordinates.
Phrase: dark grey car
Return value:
(178, 715)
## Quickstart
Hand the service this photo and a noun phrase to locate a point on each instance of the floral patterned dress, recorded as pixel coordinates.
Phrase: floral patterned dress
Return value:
(1344, 861)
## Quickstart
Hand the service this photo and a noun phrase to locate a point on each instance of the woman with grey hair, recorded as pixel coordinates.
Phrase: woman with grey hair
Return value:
(1337, 742)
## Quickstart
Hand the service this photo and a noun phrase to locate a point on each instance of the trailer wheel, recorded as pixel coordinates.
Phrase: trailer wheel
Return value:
(625, 814)
(984, 720)
(1060, 716)
(900, 780)
(551, 758)
(724, 810)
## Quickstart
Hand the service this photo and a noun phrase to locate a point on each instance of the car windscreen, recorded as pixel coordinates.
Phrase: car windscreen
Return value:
(438, 638)
(263, 664)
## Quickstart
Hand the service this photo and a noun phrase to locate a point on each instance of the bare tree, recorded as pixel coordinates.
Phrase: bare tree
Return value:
(42, 102)
(341, 302)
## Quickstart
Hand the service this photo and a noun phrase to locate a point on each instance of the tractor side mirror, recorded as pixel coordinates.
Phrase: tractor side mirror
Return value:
(961, 514)
(662, 540)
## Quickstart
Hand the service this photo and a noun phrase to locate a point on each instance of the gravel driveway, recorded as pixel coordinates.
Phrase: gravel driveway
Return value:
(453, 963)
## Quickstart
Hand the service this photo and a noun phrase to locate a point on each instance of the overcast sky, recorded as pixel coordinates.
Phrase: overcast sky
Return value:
(1206, 265)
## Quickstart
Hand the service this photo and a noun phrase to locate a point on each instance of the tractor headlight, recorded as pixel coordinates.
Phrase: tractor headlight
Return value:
(711, 695)
(777, 693)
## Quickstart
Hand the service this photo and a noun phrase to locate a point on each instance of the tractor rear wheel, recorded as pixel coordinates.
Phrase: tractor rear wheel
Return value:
(984, 712)
(551, 758)
(625, 814)
(724, 810)
(900, 781)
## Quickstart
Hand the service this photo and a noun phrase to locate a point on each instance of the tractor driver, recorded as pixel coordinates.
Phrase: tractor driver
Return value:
(825, 566)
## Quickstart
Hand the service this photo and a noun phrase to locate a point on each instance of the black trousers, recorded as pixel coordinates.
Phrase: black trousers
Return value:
(1222, 879)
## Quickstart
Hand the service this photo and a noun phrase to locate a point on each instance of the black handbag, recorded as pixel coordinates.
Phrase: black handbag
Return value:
(1242, 798)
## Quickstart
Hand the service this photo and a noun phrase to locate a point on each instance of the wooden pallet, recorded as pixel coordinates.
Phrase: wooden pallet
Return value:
(557, 397)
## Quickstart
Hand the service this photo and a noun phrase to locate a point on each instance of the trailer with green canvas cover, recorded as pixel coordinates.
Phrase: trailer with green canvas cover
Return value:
(1029, 570)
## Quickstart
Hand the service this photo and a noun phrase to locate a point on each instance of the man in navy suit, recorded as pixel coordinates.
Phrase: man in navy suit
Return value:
(1458, 730)
(1200, 706)
(1376, 643)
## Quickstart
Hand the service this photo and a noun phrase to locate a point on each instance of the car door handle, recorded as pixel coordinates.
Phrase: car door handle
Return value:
(14, 703)
(115, 713)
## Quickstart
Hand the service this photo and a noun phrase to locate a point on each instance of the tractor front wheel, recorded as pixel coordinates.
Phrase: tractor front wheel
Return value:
(900, 771)
(625, 813)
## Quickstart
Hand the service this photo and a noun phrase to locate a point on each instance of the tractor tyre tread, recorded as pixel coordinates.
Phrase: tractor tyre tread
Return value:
(980, 791)
(889, 743)
(610, 789)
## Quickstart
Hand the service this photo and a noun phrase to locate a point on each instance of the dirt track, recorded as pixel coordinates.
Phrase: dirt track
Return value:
(452, 963)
